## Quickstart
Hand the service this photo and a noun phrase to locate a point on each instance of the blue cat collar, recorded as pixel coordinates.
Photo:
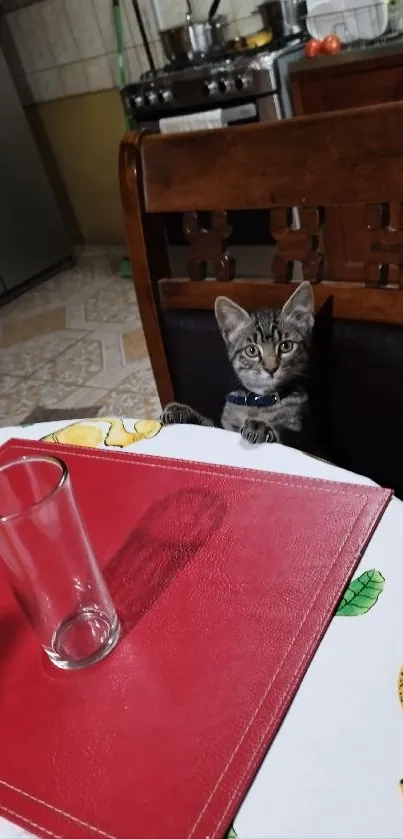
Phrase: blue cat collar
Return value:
(252, 400)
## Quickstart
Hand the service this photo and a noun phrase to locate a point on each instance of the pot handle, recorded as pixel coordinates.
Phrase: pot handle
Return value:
(213, 9)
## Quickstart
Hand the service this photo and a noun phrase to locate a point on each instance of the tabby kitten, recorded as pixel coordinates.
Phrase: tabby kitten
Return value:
(270, 352)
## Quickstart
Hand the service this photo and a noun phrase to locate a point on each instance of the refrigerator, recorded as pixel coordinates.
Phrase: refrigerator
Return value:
(33, 237)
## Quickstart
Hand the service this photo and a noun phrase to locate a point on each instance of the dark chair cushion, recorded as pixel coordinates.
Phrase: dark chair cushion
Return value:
(366, 400)
(197, 359)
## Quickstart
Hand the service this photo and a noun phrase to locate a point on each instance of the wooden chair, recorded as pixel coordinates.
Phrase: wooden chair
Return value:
(311, 163)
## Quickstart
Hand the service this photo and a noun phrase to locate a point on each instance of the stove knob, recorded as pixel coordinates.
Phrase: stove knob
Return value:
(138, 101)
(241, 82)
(210, 87)
(223, 85)
(165, 96)
(150, 98)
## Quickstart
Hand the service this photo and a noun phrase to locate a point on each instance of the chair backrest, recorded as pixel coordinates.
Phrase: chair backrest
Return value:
(309, 163)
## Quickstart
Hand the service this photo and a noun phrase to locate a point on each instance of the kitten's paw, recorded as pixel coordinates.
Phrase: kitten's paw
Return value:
(271, 436)
(258, 432)
(175, 413)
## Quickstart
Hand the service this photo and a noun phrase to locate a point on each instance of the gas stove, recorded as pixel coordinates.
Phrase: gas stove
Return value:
(225, 90)
(223, 81)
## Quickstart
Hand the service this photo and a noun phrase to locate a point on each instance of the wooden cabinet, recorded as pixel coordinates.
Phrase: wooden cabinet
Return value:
(352, 79)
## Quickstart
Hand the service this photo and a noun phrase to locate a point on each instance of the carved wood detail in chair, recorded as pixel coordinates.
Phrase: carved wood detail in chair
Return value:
(384, 265)
(329, 161)
(209, 245)
(303, 244)
(384, 229)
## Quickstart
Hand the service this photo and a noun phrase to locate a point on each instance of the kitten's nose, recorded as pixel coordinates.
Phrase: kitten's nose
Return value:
(270, 361)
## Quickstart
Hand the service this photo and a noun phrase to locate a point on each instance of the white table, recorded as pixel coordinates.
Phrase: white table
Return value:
(334, 769)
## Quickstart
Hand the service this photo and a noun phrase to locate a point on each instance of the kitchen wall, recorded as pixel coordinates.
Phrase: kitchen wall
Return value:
(78, 138)
(59, 48)
(62, 55)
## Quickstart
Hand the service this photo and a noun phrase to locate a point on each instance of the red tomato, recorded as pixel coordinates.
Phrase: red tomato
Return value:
(312, 48)
(331, 44)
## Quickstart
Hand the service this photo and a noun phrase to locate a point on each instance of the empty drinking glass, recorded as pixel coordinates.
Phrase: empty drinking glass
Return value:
(50, 563)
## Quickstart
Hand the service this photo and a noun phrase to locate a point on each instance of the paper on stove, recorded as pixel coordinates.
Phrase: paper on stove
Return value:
(193, 122)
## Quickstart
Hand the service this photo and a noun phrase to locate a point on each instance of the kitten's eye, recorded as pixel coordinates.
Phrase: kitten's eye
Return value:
(286, 346)
(252, 351)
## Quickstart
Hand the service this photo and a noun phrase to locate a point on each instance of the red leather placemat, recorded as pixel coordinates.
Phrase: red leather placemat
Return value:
(225, 581)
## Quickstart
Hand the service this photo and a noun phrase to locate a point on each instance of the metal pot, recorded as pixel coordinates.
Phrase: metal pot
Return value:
(285, 18)
(194, 39)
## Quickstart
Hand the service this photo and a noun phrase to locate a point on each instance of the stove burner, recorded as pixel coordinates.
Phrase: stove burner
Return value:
(213, 57)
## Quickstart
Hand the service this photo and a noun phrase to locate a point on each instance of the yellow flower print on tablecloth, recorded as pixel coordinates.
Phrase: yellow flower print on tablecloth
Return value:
(104, 431)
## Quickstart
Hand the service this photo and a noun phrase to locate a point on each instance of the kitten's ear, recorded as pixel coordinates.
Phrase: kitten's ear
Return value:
(230, 317)
(300, 306)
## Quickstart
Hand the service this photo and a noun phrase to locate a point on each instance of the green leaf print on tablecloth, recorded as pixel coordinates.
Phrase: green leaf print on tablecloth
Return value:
(361, 594)
(359, 597)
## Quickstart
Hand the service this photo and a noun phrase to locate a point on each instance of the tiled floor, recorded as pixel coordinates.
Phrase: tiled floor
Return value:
(76, 340)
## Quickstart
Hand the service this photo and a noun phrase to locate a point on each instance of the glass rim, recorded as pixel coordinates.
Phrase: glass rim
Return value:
(31, 458)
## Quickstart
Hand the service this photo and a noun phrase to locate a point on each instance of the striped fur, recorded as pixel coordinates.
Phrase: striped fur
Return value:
(268, 349)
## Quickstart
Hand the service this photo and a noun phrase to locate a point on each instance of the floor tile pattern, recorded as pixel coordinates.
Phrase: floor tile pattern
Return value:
(76, 340)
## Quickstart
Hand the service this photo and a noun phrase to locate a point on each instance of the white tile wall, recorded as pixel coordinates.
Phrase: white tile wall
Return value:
(243, 8)
(99, 74)
(133, 63)
(171, 12)
(149, 19)
(102, 10)
(73, 79)
(44, 85)
(37, 53)
(58, 48)
(243, 26)
(59, 32)
(85, 28)
(130, 25)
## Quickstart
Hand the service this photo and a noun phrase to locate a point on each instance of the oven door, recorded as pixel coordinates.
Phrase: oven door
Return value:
(255, 110)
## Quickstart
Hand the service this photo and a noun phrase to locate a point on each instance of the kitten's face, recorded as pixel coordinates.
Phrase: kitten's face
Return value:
(270, 347)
